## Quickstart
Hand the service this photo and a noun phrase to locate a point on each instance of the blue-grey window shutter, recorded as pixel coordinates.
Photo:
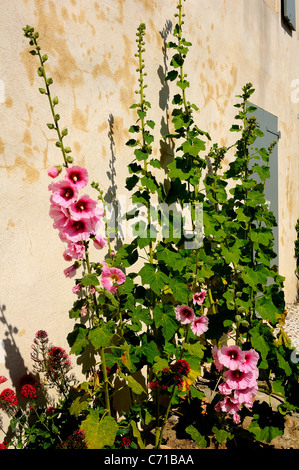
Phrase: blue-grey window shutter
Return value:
(268, 124)
(289, 13)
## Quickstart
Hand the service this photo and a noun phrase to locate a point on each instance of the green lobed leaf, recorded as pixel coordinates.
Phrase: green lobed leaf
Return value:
(99, 433)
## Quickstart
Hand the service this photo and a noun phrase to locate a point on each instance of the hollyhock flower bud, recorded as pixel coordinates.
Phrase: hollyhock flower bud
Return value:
(200, 325)
(83, 311)
(199, 297)
(99, 242)
(77, 176)
(76, 288)
(70, 271)
(53, 172)
(184, 314)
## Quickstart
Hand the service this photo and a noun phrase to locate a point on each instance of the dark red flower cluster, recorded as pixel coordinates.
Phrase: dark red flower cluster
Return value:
(8, 397)
(125, 441)
(58, 362)
(172, 375)
(28, 386)
(28, 391)
(3, 445)
(75, 441)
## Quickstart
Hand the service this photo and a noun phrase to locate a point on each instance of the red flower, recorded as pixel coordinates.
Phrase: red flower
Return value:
(9, 397)
(28, 391)
(3, 445)
(180, 367)
(125, 441)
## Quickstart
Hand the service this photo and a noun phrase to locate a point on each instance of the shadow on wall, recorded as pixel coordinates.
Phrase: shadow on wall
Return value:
(14, 362)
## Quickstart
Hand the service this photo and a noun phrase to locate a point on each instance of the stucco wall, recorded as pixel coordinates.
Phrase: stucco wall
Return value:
(91, 46)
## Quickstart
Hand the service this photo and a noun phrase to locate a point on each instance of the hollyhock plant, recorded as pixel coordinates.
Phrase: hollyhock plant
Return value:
(200, 325)
(199, 297)
(184, 314)
(111, 278)
(63, 193)
(77, 175)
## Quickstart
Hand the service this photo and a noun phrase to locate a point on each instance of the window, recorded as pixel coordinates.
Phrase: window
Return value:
(288, 10)
(268, 124)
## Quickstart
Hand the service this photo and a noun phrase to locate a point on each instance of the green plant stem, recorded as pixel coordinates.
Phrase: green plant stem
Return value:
(48, 93)
(106, 381)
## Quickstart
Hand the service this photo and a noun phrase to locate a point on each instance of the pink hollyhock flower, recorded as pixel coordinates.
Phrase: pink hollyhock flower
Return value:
(238, 379)
(250, 360)
(99, 242)
(224, 388)
(215, 352)
(77, 175)
(59, 214)
(76, 288)
(111, 278)
(77, 230)
(184, 314)
(63, 193)
(84, 207)
(228, 405)
(236, 418)
(71, 271)
(231, 356)
(92, 290)
(74, 251)
(246, 395)
(199, 297)
(53, 172)
(200, 325)
(83, 311)
(2, 379)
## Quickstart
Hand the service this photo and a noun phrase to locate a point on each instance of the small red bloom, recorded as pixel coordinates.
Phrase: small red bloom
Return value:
(9, 397)
(3, 445)
(126, 442)
(28, 391)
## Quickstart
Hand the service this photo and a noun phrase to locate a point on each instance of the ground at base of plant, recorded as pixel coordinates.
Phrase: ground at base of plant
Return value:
(177, 439)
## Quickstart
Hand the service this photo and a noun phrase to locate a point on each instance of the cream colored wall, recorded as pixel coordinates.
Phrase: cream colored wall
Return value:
(91, 46)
